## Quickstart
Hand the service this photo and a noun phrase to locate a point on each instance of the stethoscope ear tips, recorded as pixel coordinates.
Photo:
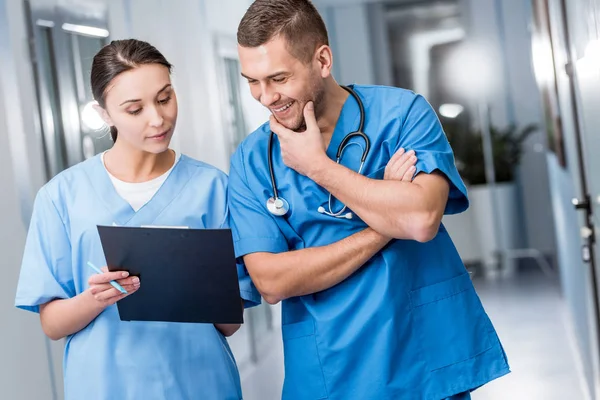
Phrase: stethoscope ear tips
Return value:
(321, 209)
(348, 215)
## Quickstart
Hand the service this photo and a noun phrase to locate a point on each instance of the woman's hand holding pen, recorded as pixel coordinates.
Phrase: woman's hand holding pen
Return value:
(107, 295)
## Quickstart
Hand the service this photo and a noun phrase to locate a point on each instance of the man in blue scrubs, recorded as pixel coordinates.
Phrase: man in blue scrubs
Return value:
(376, 302)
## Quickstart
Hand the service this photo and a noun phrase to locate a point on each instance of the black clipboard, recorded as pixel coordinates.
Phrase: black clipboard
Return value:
(187, 275)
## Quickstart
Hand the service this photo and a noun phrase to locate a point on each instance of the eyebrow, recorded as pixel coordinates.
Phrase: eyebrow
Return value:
(268, 77)
(136, 100)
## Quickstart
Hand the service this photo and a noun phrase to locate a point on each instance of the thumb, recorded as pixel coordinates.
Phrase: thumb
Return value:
(309, 116)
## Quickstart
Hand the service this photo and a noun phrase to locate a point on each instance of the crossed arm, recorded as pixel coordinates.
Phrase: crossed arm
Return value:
(297, 273)
(398, 209)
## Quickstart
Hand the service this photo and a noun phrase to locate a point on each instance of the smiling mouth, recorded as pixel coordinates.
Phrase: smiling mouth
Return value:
(282, 109)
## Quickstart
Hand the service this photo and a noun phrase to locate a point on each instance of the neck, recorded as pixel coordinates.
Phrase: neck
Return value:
(333, 101)
(134, 165)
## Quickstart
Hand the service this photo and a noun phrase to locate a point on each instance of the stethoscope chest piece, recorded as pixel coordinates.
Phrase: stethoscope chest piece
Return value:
(278, 206)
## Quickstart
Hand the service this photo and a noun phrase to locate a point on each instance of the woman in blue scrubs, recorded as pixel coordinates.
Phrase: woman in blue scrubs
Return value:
(139, 181)
(376, 303)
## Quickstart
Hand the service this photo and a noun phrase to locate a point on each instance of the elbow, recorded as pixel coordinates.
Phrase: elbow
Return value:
(272, 300)
(51, 334)
(426, 226)
(271, 294)
(270, 291)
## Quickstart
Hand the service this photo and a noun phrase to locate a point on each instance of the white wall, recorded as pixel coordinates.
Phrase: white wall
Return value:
(348, 27)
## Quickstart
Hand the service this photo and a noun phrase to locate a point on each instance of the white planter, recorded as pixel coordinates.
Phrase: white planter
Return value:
(462, 230)
(506, 235)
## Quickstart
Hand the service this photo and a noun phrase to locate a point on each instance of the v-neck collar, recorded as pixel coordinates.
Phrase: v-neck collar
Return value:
(121, 210)
(347, 122)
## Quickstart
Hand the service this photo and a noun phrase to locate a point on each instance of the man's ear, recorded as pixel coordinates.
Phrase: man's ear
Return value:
(324, 59)
(103, 114)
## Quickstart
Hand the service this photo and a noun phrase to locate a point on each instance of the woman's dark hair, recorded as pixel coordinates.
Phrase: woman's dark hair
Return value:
(117, 57)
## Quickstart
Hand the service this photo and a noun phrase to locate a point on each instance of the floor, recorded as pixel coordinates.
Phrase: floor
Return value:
(531, 320)
(528, 313)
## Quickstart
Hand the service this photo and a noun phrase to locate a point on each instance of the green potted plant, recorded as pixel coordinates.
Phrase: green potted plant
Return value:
(475, 230)
(507, 146)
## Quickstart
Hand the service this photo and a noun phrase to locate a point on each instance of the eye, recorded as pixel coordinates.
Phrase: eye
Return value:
(252, 81)
(279, 80)
(165, 100)
(135, 112)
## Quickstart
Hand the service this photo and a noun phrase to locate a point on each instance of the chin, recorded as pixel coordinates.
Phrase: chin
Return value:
(293, 124)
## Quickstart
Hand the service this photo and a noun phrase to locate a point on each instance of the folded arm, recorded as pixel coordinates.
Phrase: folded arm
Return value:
(301, 272)
(398, 209)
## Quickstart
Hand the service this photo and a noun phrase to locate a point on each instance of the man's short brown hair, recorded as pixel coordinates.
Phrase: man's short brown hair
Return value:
(298, 21)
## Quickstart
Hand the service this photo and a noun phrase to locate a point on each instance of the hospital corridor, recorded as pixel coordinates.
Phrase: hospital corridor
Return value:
(499, 102)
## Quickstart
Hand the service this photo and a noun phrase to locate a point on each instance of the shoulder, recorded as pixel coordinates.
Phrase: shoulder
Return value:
(384, 95)
(202, 170)
(258, 138)
(71, 177)
(253, 148)
(59, 191)
(397, 101)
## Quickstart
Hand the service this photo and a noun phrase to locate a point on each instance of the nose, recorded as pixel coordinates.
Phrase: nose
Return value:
(156, 118)
(268, 96)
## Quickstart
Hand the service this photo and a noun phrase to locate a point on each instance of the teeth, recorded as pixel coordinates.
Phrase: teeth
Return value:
(283, 108)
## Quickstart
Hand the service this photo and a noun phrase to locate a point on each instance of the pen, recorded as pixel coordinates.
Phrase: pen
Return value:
(113, 283)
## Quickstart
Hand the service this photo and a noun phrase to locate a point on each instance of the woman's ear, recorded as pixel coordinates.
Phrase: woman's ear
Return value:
(103, 114)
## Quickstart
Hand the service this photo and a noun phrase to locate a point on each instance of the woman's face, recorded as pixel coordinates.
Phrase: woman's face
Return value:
(142, 105)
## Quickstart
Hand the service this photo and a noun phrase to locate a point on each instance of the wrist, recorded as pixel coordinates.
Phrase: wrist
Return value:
(379, 237)
(319, 167)
(88, 300)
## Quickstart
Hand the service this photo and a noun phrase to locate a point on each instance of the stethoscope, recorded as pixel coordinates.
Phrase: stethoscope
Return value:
(279, 206)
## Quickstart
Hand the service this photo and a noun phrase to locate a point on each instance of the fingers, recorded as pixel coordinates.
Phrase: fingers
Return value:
(309, 116)
(391, 165)
(410, 173)
(132, 280)
(401, 166)
(107, 277)
(397, 156)
(277, 128)
(129, 287)
(106, 293)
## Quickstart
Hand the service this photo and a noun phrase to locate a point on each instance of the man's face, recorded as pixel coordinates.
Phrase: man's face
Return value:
(281, 82)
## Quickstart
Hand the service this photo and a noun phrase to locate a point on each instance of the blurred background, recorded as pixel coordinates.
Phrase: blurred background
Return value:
(516, 84)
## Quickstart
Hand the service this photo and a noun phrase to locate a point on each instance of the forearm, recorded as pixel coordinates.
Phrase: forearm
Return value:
(61, 318)
(397, 209)
(301, 272)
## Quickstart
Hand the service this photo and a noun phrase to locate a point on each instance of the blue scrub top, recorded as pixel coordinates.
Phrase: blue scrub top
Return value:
(109, 358)
(408, 324)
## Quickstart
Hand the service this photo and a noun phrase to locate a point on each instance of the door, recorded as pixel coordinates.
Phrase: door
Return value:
(581, 30)
(63, 42)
